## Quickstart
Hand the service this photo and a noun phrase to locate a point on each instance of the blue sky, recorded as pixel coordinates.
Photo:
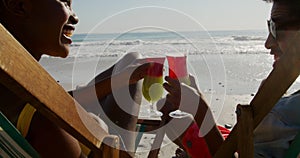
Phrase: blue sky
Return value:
(109, 16)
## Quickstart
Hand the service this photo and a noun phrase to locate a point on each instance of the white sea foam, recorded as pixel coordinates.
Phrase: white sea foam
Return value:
(191, 43)
(243, 55)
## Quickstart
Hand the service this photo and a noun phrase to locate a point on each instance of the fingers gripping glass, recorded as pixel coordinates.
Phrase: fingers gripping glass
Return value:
(272, 28)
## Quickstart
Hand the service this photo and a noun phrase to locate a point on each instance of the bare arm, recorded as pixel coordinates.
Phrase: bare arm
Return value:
(193, 102)
(213, 138)
(102, 86)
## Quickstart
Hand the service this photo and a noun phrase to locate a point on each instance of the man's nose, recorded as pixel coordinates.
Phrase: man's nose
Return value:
(270, 42)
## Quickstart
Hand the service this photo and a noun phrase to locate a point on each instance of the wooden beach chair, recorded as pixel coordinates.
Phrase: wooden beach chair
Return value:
(249, 116)
(24, 76)
(150, 125)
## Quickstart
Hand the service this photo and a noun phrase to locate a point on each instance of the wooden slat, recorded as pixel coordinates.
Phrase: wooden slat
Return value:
(149, 122)
(110, 147)
(23, 75)
(158, 140)
(277, 83)
(245, 146)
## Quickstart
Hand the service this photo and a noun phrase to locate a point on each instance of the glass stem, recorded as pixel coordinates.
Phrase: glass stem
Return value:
(152, 107)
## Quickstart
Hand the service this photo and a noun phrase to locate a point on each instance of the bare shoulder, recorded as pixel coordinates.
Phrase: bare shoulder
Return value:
(44, 136)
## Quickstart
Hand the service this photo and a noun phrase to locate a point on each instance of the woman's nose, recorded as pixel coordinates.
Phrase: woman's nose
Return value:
(74, 18)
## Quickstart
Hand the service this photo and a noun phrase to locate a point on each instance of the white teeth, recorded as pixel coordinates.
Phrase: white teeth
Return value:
(68, 33)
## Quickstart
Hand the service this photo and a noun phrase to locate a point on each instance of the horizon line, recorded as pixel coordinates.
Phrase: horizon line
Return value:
(184, 31)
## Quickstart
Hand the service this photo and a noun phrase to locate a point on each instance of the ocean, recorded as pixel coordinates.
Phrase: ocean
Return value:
(223, 62)
(155, 43)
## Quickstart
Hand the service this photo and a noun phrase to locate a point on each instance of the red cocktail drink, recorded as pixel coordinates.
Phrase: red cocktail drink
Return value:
(178, 68)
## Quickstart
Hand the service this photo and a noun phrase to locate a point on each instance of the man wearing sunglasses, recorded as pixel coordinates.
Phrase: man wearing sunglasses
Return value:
(273, 136)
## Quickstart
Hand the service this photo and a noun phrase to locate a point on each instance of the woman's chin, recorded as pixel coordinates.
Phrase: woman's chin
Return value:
(63, 53)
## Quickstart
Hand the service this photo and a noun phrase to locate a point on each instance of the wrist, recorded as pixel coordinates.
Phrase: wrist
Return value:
(202, 112)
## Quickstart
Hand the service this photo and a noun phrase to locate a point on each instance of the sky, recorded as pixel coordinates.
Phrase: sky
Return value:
(115, 16)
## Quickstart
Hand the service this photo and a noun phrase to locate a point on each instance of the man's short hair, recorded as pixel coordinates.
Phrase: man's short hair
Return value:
(294, 6)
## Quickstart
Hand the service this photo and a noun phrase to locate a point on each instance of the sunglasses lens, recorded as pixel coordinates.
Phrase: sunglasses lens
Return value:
(272, 28)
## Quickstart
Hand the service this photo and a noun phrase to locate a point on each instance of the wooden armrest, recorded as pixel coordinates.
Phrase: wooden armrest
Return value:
(149, 122)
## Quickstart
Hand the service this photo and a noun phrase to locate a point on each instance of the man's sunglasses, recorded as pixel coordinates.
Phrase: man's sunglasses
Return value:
(292, 25)
(272, 28)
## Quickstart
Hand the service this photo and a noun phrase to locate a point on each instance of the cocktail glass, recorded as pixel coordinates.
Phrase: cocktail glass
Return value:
(152, 84)
(178, 70)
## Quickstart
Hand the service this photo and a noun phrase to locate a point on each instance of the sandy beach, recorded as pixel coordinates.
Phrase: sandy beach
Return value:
(236, 83)
(224, 115)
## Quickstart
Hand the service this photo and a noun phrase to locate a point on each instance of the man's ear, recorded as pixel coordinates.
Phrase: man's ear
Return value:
(17, 7)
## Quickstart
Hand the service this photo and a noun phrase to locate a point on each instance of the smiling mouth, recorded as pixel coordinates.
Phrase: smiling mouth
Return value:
(68, 33)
